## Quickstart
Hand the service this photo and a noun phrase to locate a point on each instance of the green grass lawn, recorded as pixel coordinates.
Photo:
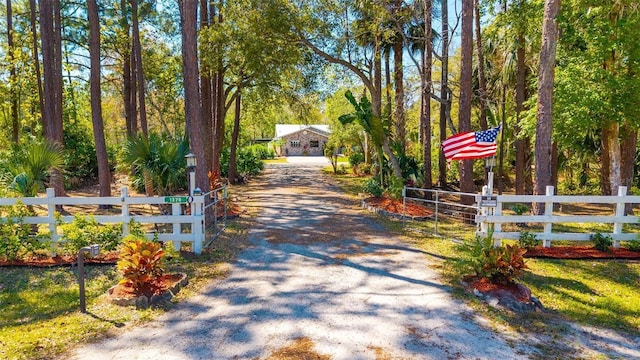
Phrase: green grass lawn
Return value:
(280, 160)
(39, 308)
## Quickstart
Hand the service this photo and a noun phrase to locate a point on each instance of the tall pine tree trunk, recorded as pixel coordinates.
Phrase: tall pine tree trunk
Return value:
(52, 65)
(34, 56)
(13, 93)
(425, 112)
(193, 109)
(205, 90)
(104, 174)
(464, 112)
(233, 176)
(544, 124)
(398, 78)
(140, 82)
(482, 83)
(444, 93)
(521, 146)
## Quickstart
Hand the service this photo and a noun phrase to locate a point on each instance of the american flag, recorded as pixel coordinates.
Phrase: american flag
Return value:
(471, 145)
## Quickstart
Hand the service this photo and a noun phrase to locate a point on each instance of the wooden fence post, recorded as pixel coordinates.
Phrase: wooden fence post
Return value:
(620, 207)
(548, 212)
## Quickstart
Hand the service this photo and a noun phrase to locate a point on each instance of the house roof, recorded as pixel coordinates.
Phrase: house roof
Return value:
(287, 129)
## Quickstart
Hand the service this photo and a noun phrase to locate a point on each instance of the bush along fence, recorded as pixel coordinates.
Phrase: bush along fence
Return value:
(181, 219)
(604, 212)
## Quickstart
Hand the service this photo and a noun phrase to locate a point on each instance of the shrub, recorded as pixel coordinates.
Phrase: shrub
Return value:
(16, 238)
(85, 230)
(601, 242)
(528, 240)
(140, 263)
(373, 187)
(396, 186)
(365, 169)
(497, 263)
(633, 245)
(503, 264)
(520, 209)
(356, 158)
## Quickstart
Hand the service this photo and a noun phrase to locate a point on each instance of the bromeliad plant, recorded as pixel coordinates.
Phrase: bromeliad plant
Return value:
(500, 264)
(503, 264)
(140, 263)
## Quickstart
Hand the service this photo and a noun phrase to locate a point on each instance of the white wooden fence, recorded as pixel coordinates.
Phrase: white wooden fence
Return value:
(194, 234)
(492, 216)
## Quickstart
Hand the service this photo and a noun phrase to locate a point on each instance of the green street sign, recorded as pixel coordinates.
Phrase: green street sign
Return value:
(175, 199)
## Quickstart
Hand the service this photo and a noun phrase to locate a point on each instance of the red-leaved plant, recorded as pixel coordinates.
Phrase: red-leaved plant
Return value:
(140, 263)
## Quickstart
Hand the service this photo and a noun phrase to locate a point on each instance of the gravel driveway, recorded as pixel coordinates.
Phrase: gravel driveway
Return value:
(320, 280)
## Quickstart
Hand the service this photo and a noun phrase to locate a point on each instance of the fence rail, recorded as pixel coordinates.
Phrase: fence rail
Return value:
(492, 218)
(444, 203)
(194, 233)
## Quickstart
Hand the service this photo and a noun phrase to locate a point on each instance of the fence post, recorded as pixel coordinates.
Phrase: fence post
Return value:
(404, 205)
(51, 215)
(176, 209)
(620, 207)
(548, 212)
(437, 200)
(196, 223)
(497, 211)
(124, 193)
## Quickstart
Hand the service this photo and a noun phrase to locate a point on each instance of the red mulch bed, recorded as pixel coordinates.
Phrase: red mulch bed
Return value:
(486, 286)
(395, 206)
(580, 252)
(155, 287)
(61, 260)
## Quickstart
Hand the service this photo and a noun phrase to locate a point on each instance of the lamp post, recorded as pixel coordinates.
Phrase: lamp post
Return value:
(192, 162)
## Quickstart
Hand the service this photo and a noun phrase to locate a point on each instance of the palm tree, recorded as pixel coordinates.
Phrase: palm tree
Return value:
(28, 173)
(160, 161)
(370, 122)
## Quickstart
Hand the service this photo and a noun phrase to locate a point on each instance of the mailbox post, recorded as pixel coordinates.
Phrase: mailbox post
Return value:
(92, 250)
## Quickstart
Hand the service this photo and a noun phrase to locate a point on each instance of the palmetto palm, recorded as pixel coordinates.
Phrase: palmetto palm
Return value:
(160, 160)
(28, 172)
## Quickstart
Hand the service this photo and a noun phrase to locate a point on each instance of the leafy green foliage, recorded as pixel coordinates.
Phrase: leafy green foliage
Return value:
(16, 238)
(355, 159)
(248, 162)
(373, 187)
(159, 163)
(261, 151)
(520, 209)
(502, 264)
(633, 245)
(395, 188)
(27, 169)
(85, 230)
(331, 153)
(528, 240)
(80, 162)
(140, 262)
(601, 242)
